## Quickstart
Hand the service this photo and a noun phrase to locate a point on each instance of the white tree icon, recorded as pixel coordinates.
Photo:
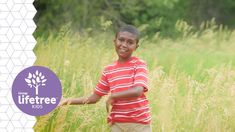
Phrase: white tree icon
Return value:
(36, 80)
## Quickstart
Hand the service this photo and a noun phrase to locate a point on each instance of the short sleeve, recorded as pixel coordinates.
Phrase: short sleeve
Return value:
(102, 87)
(141, 76)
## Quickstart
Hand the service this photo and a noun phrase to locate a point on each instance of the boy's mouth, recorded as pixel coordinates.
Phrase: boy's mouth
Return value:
(123, 50)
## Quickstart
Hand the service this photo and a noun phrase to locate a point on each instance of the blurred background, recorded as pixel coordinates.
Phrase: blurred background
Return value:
(151, 16)
(188, 46)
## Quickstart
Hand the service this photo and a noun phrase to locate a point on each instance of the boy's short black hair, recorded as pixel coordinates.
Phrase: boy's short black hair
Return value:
(131, 29)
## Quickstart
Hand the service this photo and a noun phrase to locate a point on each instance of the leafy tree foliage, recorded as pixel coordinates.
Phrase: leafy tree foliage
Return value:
(151, 16)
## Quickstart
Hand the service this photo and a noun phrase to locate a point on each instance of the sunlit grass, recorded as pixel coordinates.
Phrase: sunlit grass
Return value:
(192, 80)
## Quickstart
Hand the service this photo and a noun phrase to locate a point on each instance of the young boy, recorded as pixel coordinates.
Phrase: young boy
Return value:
(126, 79)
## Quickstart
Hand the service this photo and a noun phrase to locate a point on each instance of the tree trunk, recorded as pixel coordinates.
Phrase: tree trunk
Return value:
(36, 90)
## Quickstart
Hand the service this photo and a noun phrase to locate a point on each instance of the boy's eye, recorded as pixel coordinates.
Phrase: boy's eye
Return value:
(121, 39)
(130, 42)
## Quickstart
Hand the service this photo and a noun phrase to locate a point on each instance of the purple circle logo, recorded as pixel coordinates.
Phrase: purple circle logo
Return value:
(36, 90)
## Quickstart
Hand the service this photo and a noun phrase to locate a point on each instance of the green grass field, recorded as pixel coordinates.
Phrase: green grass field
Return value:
(191, 80)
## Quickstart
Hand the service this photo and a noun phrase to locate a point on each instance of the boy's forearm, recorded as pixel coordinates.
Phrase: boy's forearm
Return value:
(84, 100)
(76, 101)
(131, 93)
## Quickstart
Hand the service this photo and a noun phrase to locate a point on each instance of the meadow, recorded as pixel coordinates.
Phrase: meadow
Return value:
(191, 79)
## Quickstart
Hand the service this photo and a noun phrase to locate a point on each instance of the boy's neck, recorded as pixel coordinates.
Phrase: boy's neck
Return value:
(123, 60)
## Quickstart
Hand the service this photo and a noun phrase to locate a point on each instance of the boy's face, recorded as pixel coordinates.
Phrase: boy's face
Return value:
(125, 43)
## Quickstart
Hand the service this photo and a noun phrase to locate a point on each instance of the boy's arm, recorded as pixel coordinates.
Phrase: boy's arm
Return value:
(82, 100)
(130, 93)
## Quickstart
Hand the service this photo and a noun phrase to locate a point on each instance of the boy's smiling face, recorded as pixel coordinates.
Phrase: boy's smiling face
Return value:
(125, 43)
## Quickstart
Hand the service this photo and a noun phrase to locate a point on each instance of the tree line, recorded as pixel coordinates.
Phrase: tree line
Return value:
(151, 16)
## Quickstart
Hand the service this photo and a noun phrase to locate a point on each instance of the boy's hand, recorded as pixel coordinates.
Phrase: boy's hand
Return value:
(109, 102)
(63, 102)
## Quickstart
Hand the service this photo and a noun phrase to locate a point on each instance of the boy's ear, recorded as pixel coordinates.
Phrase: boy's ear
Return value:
(137, 45)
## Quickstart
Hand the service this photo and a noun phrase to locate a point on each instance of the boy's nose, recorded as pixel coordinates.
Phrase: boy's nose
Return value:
(124, 44)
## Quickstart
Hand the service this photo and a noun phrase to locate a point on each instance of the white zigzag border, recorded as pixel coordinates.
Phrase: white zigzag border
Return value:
(16, 53)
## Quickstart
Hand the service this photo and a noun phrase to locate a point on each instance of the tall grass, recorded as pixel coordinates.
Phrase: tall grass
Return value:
(191, 79)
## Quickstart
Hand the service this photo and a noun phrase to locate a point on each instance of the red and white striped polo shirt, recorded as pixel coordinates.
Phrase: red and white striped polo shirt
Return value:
(122, 76)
